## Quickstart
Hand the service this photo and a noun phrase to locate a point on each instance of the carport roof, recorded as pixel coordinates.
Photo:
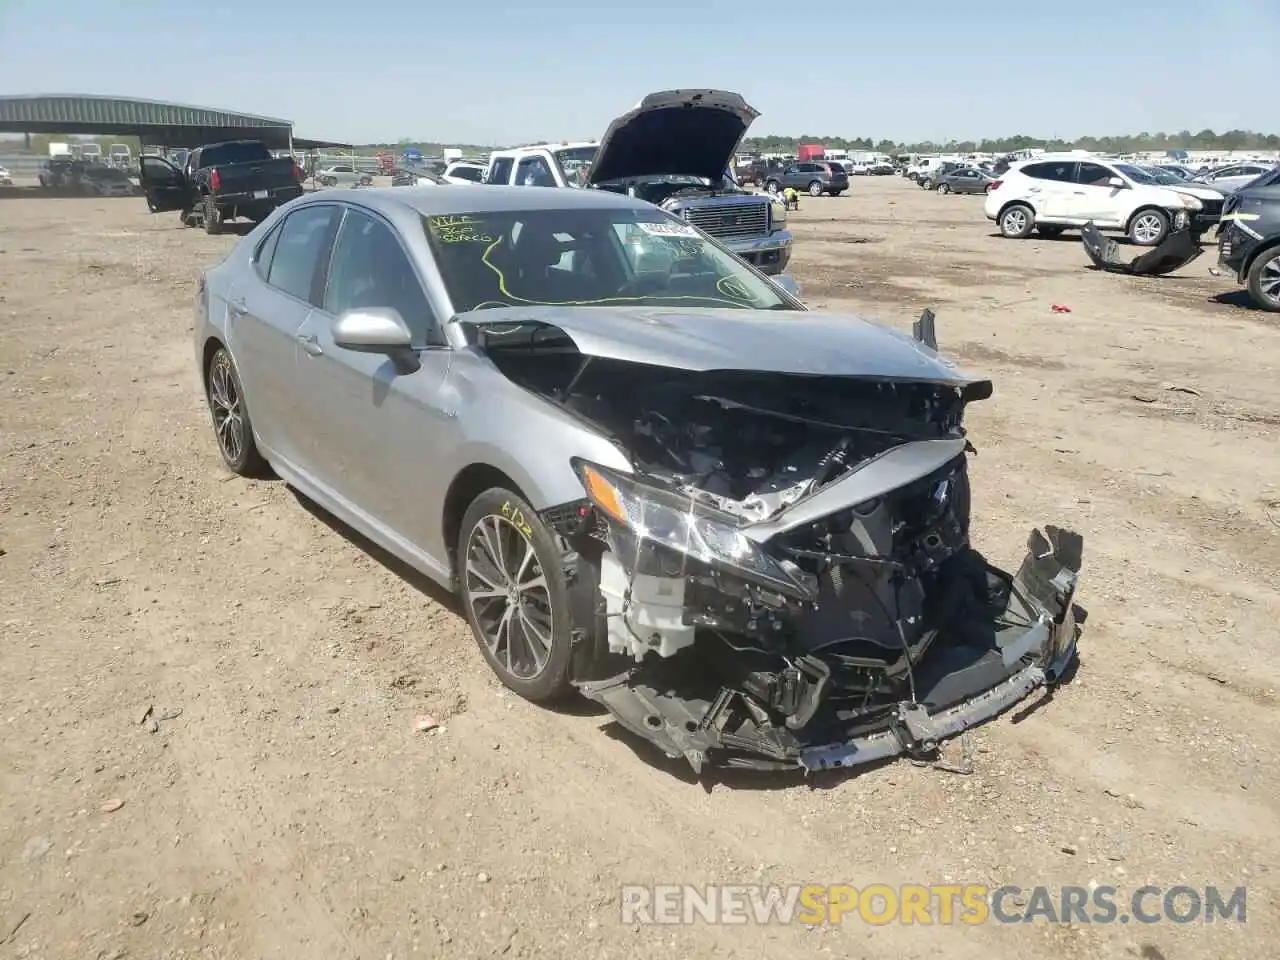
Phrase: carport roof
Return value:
(153, 121)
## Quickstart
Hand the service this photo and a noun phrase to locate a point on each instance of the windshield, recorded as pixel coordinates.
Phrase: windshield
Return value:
(568, 257)
(1139, 174)
(1150, 175)
(575, 163)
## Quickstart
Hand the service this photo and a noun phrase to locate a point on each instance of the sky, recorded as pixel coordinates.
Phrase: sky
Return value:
(500, 72)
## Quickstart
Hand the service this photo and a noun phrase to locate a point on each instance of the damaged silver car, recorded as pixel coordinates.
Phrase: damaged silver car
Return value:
(650, 474)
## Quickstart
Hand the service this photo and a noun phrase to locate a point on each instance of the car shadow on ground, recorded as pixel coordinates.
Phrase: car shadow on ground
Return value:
(574, 706)
(1240, 300)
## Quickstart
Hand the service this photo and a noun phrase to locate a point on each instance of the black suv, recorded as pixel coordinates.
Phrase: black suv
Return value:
(1249, 238)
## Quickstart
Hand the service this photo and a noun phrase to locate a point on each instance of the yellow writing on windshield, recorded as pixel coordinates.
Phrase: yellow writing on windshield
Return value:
(454, 228)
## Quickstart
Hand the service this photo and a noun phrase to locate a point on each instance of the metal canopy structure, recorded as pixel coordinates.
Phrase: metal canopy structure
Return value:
(152, 121)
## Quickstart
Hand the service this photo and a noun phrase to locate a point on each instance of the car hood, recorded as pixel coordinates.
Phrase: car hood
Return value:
(1200, 191)
(806, 343)
(692, 132)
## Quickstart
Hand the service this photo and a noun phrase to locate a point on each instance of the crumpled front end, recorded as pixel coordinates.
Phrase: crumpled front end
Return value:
(786, 579)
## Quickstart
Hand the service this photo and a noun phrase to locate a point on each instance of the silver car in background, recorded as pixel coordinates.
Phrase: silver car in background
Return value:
(647, 471)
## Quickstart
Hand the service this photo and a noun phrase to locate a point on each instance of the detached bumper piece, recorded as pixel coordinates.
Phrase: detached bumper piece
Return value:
(1177, 250)
(728, 708)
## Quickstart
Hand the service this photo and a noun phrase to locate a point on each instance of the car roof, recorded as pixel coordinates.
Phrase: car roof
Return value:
(478, 198)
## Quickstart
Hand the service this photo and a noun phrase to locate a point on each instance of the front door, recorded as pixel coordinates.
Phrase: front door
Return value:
(163, 184)
(267, 309)
(373, 421)
(1093, 197)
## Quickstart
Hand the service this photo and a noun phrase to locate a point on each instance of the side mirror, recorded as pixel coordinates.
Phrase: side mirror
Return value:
(1116, 183)
(372, 330)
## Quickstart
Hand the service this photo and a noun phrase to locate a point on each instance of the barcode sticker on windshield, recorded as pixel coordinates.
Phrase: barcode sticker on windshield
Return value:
(668, 229)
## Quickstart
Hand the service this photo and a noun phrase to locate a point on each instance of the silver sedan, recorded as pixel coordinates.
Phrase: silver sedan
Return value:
(649, 473)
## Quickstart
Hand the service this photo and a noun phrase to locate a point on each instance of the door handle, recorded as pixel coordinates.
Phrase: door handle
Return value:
(237, 308)
(310, 343)
(1079, 193)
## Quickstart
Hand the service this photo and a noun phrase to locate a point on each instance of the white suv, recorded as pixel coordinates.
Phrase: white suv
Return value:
(1052, 194)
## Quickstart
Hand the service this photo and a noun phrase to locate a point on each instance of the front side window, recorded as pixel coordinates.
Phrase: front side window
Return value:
(566, 257)
(1093, 175)
(369, 268)
(474, 174)
(304, 237)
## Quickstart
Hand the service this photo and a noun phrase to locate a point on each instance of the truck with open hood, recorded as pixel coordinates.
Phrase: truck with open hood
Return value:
(675, 149)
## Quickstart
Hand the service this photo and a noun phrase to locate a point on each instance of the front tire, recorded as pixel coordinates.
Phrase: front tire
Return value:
(231, 424)
(1149, 227)
(1017, 221)
(773, 187)
(512, 586)
(1263, 280)
(944, 188)
(815, 189)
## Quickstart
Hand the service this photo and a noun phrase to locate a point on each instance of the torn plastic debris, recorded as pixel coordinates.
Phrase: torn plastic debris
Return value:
(1177, 250)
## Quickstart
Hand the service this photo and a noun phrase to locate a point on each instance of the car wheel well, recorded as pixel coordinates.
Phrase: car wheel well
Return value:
(1146, 209)
(1014, 203)
(211, 346)
(470, 482)
(1263, 248)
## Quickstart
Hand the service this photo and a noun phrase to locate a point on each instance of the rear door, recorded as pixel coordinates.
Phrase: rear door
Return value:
(268, 310)
(374, 424)
(164, 185)
(1052, 182)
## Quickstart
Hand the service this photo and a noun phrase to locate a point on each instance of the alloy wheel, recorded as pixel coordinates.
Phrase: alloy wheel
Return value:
(1147, 228)
(1015, 221)
(507, 592)
(1269, 280)
(227, 409)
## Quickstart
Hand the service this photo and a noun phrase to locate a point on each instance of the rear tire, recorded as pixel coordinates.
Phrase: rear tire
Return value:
(513, 590)
(1017, 221)
(212, 217)
(231, 425)
(1263, 280)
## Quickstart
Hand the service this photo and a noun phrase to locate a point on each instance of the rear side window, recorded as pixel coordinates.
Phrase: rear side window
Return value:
(474, 174)
(304, 238)
(1061, 171)
(500, 171)
(262, 256)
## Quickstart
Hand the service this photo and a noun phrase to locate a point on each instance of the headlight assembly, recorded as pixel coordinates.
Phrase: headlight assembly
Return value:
(676, 522)
(1190, 202)
(779, 212)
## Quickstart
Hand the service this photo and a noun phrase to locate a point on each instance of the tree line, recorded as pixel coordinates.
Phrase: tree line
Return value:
(1130, 143)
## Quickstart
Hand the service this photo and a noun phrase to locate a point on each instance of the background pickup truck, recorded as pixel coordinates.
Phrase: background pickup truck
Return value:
(221, 181)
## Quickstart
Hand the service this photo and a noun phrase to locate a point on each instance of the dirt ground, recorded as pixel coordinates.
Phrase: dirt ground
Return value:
(278, 802)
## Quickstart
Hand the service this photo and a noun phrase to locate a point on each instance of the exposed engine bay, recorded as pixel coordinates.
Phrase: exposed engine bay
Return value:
(787, 578)
(667, 192)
